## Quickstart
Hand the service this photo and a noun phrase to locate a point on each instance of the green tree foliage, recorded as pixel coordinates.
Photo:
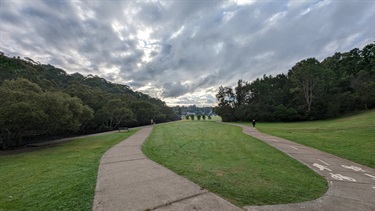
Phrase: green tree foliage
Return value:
(26, 111)
(364, 84)
(310, 79)
(75, 103)
(113, 114)
(227, 102)
(145, 111)
(340, 84)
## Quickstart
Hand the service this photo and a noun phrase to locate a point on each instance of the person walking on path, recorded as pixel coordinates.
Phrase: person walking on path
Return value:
(254, 122)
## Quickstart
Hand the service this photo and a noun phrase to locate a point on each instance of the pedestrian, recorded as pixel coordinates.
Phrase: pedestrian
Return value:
(152, 122)
(254, 122)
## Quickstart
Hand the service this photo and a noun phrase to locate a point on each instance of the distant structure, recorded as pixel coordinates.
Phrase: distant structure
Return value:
(190, 113)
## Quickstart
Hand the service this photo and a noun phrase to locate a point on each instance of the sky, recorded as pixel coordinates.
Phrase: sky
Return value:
(182, 51)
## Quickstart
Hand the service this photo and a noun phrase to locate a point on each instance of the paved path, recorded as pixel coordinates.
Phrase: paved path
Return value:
(128, 180)
(351, 185)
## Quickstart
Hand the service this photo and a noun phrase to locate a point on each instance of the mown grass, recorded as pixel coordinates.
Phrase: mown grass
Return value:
(62, 177)
(351, 137)
(223, 160)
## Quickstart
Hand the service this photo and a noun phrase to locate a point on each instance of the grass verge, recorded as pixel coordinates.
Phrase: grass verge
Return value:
(62, 177)
(349, 137)
(223, 160)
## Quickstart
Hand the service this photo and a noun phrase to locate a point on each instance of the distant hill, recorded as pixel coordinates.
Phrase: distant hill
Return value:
(86, 104)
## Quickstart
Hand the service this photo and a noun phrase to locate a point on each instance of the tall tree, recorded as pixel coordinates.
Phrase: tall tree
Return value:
(309, 77)
(227, 100)
(241, 92)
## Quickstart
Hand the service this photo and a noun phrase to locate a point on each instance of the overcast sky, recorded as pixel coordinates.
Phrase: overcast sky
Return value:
(181, 51)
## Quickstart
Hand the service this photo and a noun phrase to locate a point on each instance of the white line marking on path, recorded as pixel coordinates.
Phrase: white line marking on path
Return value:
(294, 147)
(275, 140)
(355, 168)
(321, 167)
(373, 177)
(324, 162)
(342, 177)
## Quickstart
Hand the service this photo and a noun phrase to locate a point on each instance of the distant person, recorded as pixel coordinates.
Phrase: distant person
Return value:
(152, 122)
(254, 122)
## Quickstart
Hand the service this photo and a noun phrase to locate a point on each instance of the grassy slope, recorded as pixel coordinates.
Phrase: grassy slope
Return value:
(350, 137)
(56, 178)
(222, 159)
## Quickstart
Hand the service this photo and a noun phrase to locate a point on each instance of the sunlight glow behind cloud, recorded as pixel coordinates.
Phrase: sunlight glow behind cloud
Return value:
(182, 51)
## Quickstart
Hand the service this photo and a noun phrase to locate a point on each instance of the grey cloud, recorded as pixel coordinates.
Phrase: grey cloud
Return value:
(135, 84)
(174, 89)
(193, 46)
(150, 12)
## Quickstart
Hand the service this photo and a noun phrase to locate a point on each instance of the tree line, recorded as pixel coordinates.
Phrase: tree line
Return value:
(311, 90)
(42, 101)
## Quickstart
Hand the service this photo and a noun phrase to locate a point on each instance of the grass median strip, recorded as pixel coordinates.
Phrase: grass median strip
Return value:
(61, 177)
(349, 137)
(229, 163)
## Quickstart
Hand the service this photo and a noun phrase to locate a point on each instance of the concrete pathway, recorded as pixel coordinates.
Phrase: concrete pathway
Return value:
(128, 180)
(351, 185)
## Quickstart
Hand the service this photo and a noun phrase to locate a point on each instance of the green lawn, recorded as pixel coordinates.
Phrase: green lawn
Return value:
(223, 160)
(56, 178)
(350, 137)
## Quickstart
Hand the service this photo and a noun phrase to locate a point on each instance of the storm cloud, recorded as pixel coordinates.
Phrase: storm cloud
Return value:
(182, 51)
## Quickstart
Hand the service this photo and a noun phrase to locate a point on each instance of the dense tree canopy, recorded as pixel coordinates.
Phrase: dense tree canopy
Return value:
(340, 84)
(39, 99)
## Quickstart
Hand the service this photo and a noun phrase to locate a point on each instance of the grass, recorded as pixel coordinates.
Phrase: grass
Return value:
(350, 137)
(222, 159)
(56, 178)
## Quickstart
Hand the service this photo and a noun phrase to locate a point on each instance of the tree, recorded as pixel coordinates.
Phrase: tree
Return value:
(114, 114)
(226, 99)
(310, 77)
(27, 111)
(145, 111)
(242, 90)
(364, 84)
(226, 96)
